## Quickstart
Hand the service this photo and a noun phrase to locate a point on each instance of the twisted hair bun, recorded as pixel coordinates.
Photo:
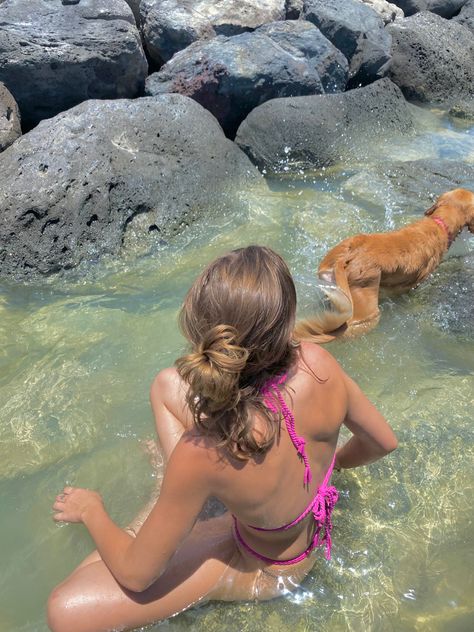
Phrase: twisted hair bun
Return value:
(213, 370)
(238, 316)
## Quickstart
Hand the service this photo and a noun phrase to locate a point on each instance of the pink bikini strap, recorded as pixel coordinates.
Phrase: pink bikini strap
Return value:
(270, 392)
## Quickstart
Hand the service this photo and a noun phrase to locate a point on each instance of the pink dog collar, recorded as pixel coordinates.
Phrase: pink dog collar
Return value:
(444, 226)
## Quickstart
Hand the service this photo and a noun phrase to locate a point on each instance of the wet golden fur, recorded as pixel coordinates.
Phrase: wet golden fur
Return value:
(396, 261)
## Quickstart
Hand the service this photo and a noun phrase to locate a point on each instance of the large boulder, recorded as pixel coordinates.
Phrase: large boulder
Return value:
(230, 76)
(466, 15)
(54, 55)
(303, 40)
(168, 26)
(74, 185)
(357, 31)
(10, 127)
(444, 8)
(432, 58)
(317, 131)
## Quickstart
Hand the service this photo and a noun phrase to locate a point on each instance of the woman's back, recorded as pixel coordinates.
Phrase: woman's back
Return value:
(268, 490)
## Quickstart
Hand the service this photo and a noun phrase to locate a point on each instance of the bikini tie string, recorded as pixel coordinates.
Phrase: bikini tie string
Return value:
(322, 509)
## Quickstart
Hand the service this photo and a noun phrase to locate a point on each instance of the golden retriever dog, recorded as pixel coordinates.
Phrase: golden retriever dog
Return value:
(397, 261)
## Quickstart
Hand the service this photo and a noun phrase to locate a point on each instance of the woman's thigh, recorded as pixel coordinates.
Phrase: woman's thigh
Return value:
(90, 600)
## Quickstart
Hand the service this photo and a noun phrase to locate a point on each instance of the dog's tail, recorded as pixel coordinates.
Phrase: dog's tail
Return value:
(330, 323)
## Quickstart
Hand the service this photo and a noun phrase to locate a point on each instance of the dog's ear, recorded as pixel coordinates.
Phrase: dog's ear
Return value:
(432, 209)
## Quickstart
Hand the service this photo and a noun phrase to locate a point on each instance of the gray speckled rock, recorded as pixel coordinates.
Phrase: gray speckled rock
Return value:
(230, 76)
(302, 39)
(425, 70)
(445, 8)
(466, 15)
(168, 26)
(10, 127)
(317, 131)
(358, 32)
(387, 10)
(53, 56)
(73, 186)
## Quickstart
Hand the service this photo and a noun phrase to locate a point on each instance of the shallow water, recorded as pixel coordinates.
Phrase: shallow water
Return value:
(77, 356)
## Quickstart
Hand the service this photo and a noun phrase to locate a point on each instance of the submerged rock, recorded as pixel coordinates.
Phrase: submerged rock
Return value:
(463, 110)
(54, 56)
(357, 31)
(230, 76)
(444, 8)
(10, 128)
(168, 26)
(432, 58)
(317, 131)
(75, 184)
(410, 185)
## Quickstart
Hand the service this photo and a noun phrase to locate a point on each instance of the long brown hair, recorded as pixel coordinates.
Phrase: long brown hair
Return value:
(239, 317)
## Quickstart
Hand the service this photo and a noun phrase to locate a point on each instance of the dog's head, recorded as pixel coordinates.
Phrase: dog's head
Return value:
(459, 202)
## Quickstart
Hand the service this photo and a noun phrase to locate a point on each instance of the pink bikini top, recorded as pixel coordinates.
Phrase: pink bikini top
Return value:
(326, 496)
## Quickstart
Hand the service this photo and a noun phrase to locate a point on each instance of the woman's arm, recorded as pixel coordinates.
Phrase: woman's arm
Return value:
(372, 437)
(137, 562)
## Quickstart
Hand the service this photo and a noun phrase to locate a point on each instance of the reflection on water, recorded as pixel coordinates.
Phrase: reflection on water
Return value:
(77, 356)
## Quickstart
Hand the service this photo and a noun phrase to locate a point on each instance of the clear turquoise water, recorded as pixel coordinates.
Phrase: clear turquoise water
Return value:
(78, 354)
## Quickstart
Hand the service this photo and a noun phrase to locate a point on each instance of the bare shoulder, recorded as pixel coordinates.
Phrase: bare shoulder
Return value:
(169, 389)
(319, 361)
(166, 378)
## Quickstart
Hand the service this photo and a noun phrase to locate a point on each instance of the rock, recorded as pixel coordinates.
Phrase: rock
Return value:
(53, 56)
(318, 131)
(230, 76)
(387, 10)
(10, 128)
(135, 7)
(463, 110)
(168, 26)
(302, 39)
(358, 32)
(466, 15)
(294, 9)
(425, 70)
(410, 185)
(74, 185)
(444, 8)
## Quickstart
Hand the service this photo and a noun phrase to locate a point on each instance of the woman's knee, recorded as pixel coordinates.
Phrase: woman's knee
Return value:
(59, 611)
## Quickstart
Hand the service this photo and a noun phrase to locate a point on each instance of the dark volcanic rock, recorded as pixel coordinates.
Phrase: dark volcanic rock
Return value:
(10, 128)
(76, 183)
(444, 8)
(302, 39)
(466, 15)
(53, 56)
(230, 76)
(311, 132)
(357, 31)
(432, 58)
(168, 26)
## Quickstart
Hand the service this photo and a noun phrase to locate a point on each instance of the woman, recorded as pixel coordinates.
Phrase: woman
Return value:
(248, 416)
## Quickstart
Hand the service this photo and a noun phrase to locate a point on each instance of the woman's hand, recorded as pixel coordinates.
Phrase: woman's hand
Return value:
(74, 503)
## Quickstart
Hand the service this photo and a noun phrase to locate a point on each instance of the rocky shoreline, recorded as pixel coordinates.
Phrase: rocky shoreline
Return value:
(149, 114)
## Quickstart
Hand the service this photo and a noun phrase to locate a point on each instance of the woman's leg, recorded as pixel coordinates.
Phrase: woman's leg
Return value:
(90, 600)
